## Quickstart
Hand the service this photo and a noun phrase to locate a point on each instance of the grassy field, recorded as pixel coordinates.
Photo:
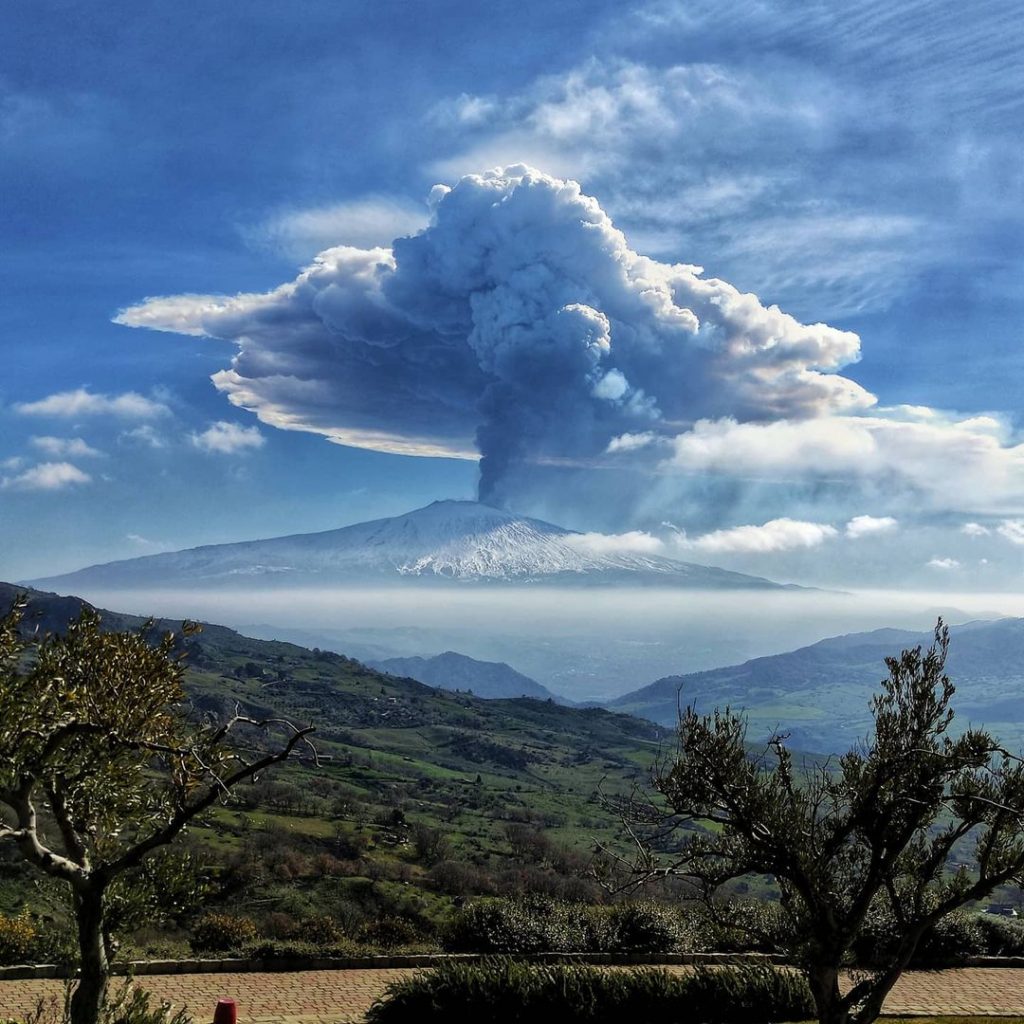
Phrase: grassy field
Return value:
(421, 796)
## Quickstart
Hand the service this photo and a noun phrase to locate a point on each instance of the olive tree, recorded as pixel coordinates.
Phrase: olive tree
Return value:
(873, 829)
(101, 765)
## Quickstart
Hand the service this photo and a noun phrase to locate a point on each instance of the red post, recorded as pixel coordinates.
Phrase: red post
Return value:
(226, 1012)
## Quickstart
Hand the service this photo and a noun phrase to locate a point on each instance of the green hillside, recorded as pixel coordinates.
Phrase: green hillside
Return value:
(423, 794)
(819, 695)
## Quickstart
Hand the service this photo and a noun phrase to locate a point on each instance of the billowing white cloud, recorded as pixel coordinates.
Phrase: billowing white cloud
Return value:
(227, 438)
(519, 325)
(65, 447)
(775, 535)
(906, 456)
(945, 564)
(46, 476)
(83, 402)
(869, 526)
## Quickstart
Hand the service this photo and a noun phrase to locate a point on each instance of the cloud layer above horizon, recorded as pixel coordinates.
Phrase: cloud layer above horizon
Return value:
(520, 326)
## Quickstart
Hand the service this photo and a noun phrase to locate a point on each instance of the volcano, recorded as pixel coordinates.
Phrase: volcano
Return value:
(452, 542)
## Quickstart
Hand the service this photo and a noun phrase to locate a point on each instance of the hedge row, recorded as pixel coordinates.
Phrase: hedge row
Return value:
(504, 991)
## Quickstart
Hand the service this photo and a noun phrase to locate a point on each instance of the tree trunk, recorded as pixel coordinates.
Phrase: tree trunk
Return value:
(91, 990)
(823, 981)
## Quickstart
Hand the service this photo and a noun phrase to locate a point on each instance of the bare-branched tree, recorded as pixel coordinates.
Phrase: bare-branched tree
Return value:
(874, 829)
(101, 765)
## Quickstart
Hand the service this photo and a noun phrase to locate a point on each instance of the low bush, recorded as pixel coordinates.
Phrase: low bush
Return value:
(24, 940)
(320, 930)
(954, 938)
(646, 927)
(739, 926)
(539, 924)
(125, 1005)
(503, 991)
(738, 995)
(529, 924)
(217, 933)
(277, 949)
(131, 1005)
(1004, 936)
(19, 938)
(390, 932)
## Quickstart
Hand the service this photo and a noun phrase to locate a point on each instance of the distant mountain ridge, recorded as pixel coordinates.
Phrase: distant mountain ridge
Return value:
(447, 541)
(453, 671)
(819, 694)
(413, 729)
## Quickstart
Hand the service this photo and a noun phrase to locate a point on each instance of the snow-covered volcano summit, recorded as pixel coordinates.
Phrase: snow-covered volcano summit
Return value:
(461, 541)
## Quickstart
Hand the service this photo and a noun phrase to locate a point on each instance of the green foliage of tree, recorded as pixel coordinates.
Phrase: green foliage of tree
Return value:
(101, 766)
(842, 840)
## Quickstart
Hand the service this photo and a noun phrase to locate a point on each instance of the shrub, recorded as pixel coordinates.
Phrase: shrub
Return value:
(275, 949)
(128, 1005)
(645, 927)
(215, 933)
(954, 938)
(389, 932)
(736, 995)
(1004, 936)
(280, 925)
(503, 991)
(530, 924)
(131, 1005)
(739, 926)
(431, 844)
(320, 930)
(457, 878)
(18, 939)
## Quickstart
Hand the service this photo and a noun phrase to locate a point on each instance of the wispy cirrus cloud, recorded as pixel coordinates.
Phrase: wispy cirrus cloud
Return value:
(365, 222)
(698, 159)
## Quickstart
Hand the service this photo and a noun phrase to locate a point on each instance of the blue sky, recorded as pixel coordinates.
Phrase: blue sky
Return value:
(860, 168)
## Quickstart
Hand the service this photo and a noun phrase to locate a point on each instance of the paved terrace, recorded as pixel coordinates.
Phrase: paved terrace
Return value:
(333, 997)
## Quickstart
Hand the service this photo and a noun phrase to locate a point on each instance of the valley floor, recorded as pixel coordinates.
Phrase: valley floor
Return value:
(342, 997)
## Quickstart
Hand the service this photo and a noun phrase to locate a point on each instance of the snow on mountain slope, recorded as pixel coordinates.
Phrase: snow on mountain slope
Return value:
(461, 541)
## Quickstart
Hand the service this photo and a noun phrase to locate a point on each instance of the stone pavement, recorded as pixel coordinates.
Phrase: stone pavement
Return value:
(333, 997)
(299, 997)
